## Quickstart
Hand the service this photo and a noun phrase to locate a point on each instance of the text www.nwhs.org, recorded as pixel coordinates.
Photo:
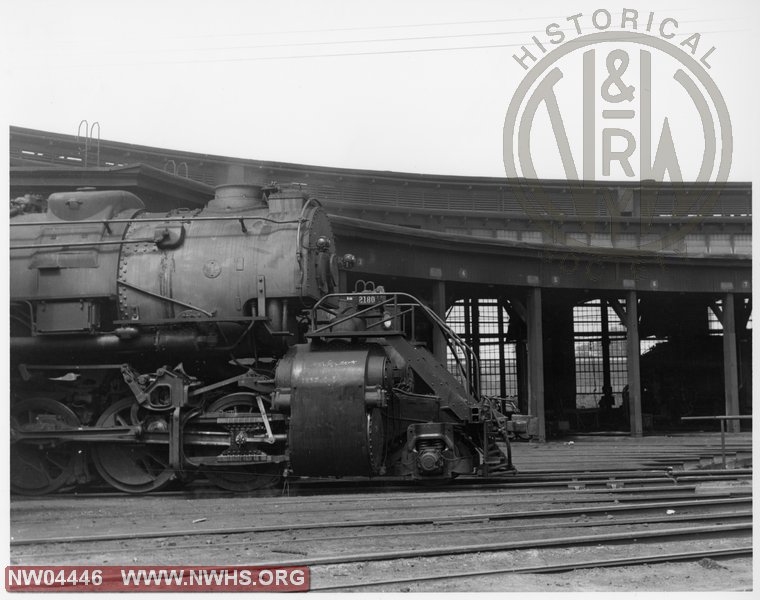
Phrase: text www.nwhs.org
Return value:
(156, 579)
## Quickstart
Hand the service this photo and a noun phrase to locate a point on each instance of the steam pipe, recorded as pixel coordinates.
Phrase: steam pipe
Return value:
(123, 342)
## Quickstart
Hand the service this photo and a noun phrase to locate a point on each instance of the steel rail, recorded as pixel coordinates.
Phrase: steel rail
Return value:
(723, 516)
(555, 568)
(579, 506)
(593, 500)
(318, 487)
(628, 481)
(505, 546)
(310, 491)
(493, 516)
(353, 490)
(547, 476)
(459, 489)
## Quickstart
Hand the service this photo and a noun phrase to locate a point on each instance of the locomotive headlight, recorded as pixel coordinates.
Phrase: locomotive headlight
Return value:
(387, 321)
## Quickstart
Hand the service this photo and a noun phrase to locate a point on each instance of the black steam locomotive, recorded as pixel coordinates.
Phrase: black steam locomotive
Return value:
(157, 347)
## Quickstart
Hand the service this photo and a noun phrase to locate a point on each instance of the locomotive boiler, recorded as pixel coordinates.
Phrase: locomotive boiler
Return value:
(154, 347)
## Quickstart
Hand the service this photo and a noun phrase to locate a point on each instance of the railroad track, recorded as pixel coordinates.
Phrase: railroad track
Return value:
(678, 455)
(741, 513)
(428, 507)
(439, 538)
(317, 487)
(648, 559)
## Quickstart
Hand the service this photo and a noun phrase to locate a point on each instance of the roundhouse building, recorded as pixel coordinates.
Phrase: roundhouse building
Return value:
(595, 306)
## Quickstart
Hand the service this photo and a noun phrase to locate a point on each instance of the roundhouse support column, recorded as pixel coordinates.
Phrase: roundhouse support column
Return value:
(536, 361)
(606, 374)
(730, 362)
(439, 306)
(521, 364)
(633, 351)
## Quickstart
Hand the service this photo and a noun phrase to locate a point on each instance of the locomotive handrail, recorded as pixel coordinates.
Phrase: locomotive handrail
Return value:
(405, 310)
(342, 319)
(154, 220)
(193, 320)
(470, 371)
(449, 335)
(108, 222)
(299, 246)
(302, 219)
(331, 324)
(85, 244)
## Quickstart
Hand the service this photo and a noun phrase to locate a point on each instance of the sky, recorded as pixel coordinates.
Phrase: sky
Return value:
(403, 86)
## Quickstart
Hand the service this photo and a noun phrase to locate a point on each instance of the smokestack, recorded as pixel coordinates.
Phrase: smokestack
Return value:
(236, 197)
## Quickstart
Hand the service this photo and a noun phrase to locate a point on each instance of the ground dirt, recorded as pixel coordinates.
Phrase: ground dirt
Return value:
(97, 516)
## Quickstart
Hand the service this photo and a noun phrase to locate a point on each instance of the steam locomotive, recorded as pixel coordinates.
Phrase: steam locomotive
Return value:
(159, 347)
